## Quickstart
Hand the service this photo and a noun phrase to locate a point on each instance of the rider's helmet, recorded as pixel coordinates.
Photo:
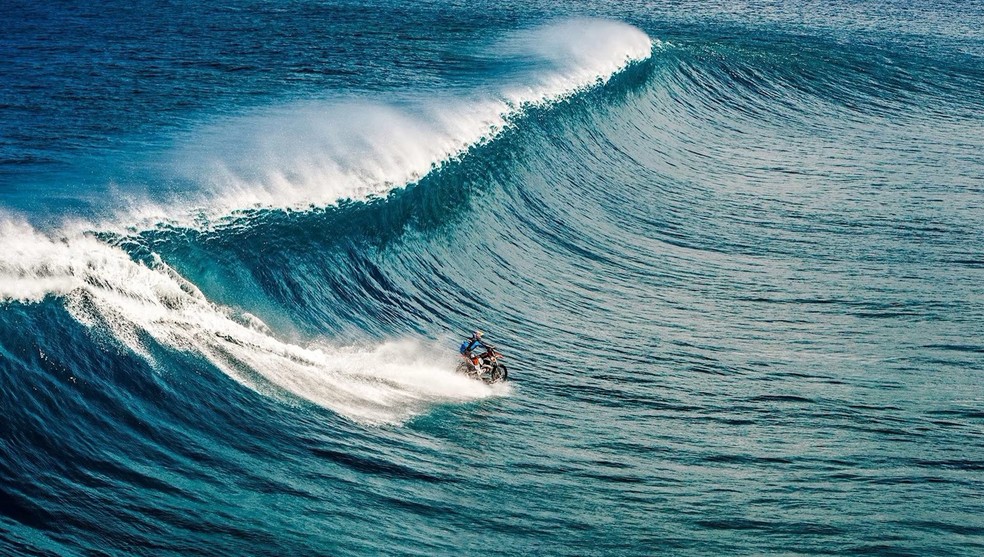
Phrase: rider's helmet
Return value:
(478, 334)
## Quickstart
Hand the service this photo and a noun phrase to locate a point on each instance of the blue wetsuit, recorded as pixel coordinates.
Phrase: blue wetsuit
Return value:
(470, 345)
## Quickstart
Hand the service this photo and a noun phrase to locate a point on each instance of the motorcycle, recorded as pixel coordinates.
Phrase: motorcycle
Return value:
(489, 368)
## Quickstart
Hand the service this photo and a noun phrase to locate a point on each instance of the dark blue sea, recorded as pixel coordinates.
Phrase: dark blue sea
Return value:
(732, 252)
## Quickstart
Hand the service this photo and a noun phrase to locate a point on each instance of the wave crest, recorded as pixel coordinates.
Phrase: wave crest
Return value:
(316, 153)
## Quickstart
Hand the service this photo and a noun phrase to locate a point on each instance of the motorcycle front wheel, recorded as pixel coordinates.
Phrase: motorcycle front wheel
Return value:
(498, 373)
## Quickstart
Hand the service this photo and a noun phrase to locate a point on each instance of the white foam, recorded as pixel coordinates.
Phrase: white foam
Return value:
(317, 153)
(131, 303)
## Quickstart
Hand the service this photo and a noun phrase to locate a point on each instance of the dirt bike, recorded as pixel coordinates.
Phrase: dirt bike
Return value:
(489, 368)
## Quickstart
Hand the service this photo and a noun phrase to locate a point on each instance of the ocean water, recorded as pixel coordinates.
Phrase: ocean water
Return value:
(733, 253)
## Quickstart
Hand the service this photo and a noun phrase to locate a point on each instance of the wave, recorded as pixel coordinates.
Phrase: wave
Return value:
(296, 157)
(136, 287)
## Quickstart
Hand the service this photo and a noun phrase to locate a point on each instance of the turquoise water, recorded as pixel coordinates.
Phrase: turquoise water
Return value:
(732, 254)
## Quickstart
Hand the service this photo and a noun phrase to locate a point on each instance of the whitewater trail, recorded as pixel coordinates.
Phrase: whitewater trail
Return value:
(128, 303)
(296, 157)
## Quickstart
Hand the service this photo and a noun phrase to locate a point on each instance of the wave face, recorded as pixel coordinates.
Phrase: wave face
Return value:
(734, 261)
(296, 158)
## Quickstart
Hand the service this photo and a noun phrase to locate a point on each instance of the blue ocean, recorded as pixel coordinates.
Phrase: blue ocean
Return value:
(732, 254)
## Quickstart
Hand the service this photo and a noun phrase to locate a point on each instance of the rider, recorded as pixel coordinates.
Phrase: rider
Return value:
(470, 347)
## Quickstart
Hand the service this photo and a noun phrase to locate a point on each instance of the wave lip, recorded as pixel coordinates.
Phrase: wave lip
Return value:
(569, 56)
(316, 153)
